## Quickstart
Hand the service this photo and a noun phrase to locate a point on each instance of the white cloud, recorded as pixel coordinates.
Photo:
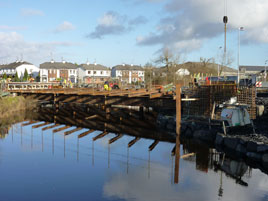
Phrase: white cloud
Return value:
(13, 45)
(27, 12)
(65, 26)
(11, 28)
(112, 23)
(191, 22)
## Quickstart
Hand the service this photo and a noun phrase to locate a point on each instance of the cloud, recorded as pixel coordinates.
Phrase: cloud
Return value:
(13, 44)
(112, 23)
(28, 12)
(11, 28)
(138, 20)
(65, 26)
(189, 23)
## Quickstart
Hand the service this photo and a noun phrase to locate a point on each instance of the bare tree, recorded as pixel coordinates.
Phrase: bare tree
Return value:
(170, 61)
(224, 61)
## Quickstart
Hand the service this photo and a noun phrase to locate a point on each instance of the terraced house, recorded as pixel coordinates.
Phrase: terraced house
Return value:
(93, 73)
(52, 71)
(128, 73)
(18, 67)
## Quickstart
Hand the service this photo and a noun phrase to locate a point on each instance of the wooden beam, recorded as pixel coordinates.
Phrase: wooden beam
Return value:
(92, 117)
(72, 131)
(39, 125)
(86, 133)
(153, 145)
(115, 138)
(60, 129)
(132, 142)
(100, 136)
(158, 95)
(49, 127)
(29, 123)
(187, 155)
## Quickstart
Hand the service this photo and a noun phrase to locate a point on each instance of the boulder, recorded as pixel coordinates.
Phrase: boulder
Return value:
(265, 160)
(252, 146)
(189, 133)
(241, 149)
(204, 135)
(219, 139)
(262, 148)
(230, 143)
(254, 156)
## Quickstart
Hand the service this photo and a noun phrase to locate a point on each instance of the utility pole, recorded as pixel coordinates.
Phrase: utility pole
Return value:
(238, 54)
(225, 21)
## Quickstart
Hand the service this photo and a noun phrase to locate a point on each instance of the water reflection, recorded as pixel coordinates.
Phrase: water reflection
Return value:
(62, 160)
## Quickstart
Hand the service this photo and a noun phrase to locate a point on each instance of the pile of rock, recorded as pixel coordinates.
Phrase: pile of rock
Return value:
(254, 147)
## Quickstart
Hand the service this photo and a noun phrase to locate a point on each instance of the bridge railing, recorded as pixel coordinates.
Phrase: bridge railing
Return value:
(29, 85)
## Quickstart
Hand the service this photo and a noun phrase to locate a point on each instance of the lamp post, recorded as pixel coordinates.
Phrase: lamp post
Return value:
(238, 54)
(265, 75)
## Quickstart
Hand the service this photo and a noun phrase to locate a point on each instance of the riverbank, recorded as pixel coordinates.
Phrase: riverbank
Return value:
(13, 104)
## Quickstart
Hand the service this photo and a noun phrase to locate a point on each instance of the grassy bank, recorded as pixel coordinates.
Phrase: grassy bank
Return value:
(10, 105)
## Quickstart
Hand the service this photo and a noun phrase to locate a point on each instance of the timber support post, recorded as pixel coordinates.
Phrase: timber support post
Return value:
(178, 132)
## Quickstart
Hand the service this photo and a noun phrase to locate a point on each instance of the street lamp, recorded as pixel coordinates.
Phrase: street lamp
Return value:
(265, 75)
(238, 54)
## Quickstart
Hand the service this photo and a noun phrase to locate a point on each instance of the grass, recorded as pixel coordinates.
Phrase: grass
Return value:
(10, 104)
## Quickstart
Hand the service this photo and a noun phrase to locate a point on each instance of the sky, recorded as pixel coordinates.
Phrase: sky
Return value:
(112, 32)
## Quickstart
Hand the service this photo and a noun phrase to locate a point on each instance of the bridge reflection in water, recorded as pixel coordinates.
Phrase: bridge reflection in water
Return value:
(121, 123)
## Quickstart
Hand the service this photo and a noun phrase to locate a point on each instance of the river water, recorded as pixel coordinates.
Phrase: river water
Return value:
(38, 164)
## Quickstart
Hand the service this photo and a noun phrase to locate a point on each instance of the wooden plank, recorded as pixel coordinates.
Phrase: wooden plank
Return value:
(72, 131)
(187, 155)
(86, 133)
(153, 145)
(60, 129)
(29, 123)
(158, 95)
(49, 127)
(92, 117)
(115, 138)
(132, 142)
(39, 125)
(100, 136)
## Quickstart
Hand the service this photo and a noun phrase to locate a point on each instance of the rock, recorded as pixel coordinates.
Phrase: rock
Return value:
(219, 139)
(171, 126)
(254, 156)
(205, 135)
(231, 143)
(252, 146)
(262, 148)
(189, 133)
(265, 160)
(241, 149)
(260, 110)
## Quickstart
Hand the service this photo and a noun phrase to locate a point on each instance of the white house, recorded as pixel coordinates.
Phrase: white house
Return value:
(93, 73)
(52, 71)
(19, 68)
(128, 73)
(183, 72)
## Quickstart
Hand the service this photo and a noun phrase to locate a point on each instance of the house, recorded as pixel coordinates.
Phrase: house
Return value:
(183, 72)
(128, 73)
(93, 73)
(52, 71)
(19, 68)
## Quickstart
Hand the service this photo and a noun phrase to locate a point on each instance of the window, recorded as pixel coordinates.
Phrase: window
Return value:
(88, 72)
(101, 72)
(94, 72)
